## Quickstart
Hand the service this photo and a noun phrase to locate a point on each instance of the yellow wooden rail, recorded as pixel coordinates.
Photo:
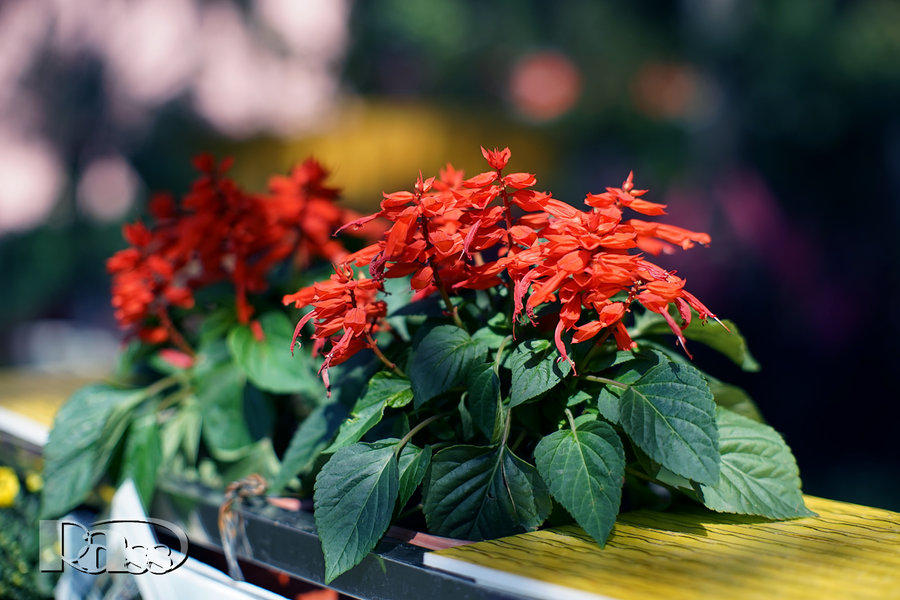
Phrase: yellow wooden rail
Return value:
(847, 551)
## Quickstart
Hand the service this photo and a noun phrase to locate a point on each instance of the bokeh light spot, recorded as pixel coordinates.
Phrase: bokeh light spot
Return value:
(544, 85)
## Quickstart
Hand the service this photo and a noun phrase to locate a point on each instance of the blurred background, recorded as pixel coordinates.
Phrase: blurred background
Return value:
(774, 126)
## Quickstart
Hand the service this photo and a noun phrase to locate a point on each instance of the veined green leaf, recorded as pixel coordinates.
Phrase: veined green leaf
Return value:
(440, 361)
(484, 399)
(630, 370)
(259, 457)
(384, 390)
(734, 399)
(413, 463)
(268, 362)
(489, 337)
(536, 368)
(85, 433)
(759, 474)
(669, 412)
(220, 395)
(584, 470)
(310, 439)
(479, 493)
(354, 498)
(143, 455)
(729, 342)
(396, 391)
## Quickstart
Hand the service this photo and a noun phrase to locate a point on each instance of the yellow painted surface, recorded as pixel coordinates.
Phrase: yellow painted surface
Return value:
(848, 551)
(36, 395)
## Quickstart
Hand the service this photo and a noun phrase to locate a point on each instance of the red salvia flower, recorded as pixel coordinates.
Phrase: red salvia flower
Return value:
(219, 232)
(584, 258)
(455, 232)
(345, 312)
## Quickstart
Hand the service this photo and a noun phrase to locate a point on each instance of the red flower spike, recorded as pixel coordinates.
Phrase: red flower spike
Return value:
(257, 331)
(343, 303)
(218, 232)
(497, 159)
(176, 358)
(481, 180)
(520, 180)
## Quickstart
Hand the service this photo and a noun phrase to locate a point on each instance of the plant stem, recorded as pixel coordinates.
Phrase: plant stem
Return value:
(419, 427)
(423, 223)
(571, 420)
(606, 380)
(518, 441)
(595, 349)
(639, 475)
(390, 365)
(409, 511)
(166, 382)
(450, 307)
(502, 347)
(173, 398)
(506, 426)
(174, 334)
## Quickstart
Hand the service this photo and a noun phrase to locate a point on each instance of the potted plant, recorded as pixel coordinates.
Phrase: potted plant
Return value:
(494, 359)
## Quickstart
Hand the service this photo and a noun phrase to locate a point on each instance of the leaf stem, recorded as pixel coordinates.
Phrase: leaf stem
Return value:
(388, 363)
(639, 475)
(174, 334)
(606, 380)
(173, 398)
(506, 426)
(596, 348)
(500, 350)
(160, 385)
(409, 511)
(450, 307)
(419, 427)
(518, 441)
(423, 223)
(571, 420)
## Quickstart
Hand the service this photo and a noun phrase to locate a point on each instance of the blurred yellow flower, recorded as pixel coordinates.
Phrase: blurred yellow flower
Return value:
(9, 487)
(34, 482)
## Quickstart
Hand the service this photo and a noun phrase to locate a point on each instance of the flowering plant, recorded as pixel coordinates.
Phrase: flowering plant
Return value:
(495, 359)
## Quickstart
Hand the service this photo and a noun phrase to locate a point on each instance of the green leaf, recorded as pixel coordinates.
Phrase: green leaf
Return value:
(489, 337)
(258, 457)
(369, 409)
(584, 470)
(354, 498)
(661, 474)
(220, 395)
(629, 371)
(413, 462)
(349, 380)
(85, 433)
(395, 391)
(310, 439)
(611, 359)
(440, 361)
(268, 362)
(734, 399)
(465, 420)
(143, 455)
(485, 405)
(578, 397)
(480, 493)
(670, 414)
(536, 368)
(759, 474)
(729, 342)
